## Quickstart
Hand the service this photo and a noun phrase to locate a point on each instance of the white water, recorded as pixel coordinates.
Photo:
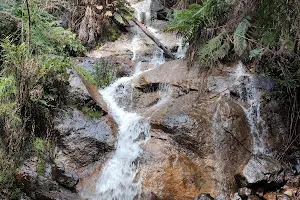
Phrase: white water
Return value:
(252, 96)
(118, 179)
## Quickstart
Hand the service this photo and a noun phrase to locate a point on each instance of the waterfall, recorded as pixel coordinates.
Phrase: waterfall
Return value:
(252, 96)
(118, 179)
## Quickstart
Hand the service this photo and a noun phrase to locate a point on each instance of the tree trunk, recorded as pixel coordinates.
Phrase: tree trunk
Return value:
(167, 52)
(29, 24)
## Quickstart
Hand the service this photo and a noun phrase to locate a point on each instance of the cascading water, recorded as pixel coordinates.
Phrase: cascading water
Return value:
(251, 95)
(118, 179)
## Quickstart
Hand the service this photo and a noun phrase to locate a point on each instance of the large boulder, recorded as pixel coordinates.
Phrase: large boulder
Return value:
(199, 140)
(82, 140)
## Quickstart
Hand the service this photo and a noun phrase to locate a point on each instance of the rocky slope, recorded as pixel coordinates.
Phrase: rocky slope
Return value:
(218, 135)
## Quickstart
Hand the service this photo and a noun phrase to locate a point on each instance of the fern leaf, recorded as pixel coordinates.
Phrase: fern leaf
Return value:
(214, 49)
(239, 40)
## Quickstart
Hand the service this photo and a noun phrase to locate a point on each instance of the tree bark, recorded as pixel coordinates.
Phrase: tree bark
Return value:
(29, 25)
(167, 52)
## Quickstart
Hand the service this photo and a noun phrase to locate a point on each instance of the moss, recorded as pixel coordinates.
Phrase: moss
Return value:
(114, 33)
(92, 112)
(40, 151)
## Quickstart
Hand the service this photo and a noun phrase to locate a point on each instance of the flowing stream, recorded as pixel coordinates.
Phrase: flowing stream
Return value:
(118, 179)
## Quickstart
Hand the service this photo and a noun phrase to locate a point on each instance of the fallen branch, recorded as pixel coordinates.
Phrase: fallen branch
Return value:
(94, 92)
(167, 52)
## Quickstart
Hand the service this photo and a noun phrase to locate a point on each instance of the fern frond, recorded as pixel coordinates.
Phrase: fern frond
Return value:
(216, 48)
(239, 38)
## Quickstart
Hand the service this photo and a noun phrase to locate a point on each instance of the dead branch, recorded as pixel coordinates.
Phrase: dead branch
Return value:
(167, 52)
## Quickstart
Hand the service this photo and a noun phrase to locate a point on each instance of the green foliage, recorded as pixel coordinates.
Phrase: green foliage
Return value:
(239, 37)
(86, 75)
(214, 49)
(271, 17)
(92, 112)
(121, 12)
(103, 73)
(255, 53)
(197, 16)
(40, 151)
(8, 107)
(48, 37)
(7, 177)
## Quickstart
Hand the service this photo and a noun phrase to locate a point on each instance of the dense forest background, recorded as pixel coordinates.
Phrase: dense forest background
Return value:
(41, 38)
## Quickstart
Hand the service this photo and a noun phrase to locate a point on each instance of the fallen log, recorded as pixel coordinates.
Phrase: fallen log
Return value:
(167, 52)
(94, 92)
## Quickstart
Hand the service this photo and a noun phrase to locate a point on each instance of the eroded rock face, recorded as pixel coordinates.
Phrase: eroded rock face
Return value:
(199, 140)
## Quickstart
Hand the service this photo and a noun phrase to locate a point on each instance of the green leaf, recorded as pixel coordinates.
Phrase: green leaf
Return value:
(254, 53)
(120, 19)
(239, 36)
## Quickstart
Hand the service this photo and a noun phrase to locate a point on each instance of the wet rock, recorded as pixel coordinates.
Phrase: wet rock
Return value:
(253, 197)
(244, 192)
(33, 183)
(58, 196)
(266, 83)
(204, 197)
(153, 196)
(294, 181)
(261, 167)
(210, 138)
(66, 179)
(260, 192)
(82, 140)
(236, 196)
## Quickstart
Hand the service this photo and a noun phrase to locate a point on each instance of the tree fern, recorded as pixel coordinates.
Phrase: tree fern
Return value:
(239, 36)
(189, 21)
(214, 49)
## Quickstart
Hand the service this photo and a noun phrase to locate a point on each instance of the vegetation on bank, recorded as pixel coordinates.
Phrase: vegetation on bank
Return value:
(264, 34)
(38, 40)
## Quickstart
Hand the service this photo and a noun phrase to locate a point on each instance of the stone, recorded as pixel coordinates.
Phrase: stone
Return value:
(53, 195)
(66, 179)
(288, 190)
(260, 192)
(82, 140)
(253, 197)
(235, 196)
(204, 197)
(33, 183)
(211, 140)
(153, 196)
(261, 167)
(244, 192)
(283, 197)
(294, 181)
(270, 196)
